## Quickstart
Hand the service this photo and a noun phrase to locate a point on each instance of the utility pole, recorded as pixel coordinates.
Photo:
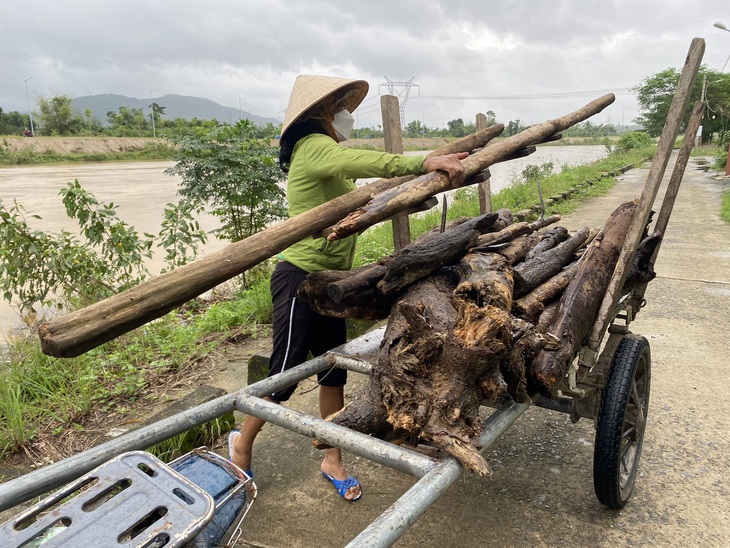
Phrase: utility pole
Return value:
(152, 109)
(404, 90)
(30, 111)
(239, 108)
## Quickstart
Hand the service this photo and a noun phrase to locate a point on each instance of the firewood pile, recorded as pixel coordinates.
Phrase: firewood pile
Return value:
(486, 308)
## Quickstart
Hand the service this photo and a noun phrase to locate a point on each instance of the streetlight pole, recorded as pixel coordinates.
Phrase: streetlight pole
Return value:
(30, 112)
(152, 109)
(721, 26)
(239, 108)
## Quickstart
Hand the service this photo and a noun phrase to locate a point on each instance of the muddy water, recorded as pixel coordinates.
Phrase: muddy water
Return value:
(141, 190)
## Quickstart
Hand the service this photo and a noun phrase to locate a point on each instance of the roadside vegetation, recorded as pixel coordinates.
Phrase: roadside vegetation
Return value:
(725, 210)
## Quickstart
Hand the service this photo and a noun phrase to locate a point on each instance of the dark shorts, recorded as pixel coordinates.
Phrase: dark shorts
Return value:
(298, 330)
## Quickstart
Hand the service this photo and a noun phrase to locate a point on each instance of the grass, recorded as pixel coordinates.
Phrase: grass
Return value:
(725, 206)
(42, 396)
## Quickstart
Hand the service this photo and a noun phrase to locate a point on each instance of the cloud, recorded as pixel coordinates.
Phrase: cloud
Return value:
(249, 52)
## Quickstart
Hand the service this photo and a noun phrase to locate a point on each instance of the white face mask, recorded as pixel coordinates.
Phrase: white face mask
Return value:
(343, 123)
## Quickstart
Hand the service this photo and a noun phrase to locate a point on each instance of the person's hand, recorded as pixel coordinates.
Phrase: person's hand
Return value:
(450, 163)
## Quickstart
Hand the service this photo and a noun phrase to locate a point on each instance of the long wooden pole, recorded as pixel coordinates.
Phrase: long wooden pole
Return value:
(387, 204)
(393, 139)
(87, 328)
(484, 189)
(651, 187)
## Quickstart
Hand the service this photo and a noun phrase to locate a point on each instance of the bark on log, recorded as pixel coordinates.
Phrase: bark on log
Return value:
(548, 240)
(580, 301)
(510, 231)
(642, 268)
(531, 306)
(420, 259)
(87, 328)
(530, 274)
(365, 302)
(368, 277)
(471, 142)
(428, 185)
(517, 249)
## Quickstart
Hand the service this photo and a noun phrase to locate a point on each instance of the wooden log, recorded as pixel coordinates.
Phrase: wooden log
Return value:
(450, 343)
(485, 279)
(581, 300)
(367, 277)
(425, 206)
(509, 233)
(421, 188)
(530, 306)
(530, 274)
(420, 259)
(470, 142)
(367, 303)
(517, 249)
(642, 267)
(87, 328)
(549, 239)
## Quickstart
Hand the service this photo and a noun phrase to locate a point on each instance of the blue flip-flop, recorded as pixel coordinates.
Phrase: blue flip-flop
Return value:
(343, 485)
(248, 472)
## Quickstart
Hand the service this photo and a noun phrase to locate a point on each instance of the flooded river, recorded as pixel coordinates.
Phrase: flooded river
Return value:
(141, 190)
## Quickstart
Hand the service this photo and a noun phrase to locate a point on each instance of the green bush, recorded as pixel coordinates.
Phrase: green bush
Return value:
(631, 141)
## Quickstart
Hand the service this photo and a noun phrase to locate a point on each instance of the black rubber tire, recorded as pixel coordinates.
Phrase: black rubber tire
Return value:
(621, 422)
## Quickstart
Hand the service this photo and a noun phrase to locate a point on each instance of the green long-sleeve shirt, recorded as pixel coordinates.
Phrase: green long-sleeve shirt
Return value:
(322, 170)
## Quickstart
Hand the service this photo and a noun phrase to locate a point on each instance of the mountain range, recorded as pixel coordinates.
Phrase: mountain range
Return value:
(176, 106)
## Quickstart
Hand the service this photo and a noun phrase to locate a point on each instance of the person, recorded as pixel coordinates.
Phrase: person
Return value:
(319, 116)
(27, 133)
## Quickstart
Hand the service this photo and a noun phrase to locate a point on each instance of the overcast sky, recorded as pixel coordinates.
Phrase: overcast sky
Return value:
(520, 59)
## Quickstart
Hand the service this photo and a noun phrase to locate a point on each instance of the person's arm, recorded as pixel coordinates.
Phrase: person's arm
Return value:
(323, 157)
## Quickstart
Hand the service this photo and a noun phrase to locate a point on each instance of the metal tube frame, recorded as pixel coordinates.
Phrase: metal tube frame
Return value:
(436, 476)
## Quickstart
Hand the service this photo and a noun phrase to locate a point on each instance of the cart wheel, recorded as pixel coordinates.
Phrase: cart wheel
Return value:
(621, 422)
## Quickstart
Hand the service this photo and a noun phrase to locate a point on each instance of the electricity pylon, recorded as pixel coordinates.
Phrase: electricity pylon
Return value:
(402, 92)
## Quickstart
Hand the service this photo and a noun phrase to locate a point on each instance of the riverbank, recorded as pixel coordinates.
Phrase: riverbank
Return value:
(115, 145)
(73, 147)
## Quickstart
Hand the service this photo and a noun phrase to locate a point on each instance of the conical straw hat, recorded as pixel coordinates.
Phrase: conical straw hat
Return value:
(309, 90)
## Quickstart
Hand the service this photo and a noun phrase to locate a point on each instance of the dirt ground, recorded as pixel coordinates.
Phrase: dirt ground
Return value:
(541, 493)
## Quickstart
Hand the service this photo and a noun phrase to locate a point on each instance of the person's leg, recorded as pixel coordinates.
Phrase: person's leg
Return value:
(331, 400)
(290, 347)
(242, 446)
(332, 395)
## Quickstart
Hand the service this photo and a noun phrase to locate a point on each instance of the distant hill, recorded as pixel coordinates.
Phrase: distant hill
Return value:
(176, 106)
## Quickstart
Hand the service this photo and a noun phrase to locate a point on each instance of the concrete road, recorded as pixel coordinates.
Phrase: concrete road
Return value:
(541, 493)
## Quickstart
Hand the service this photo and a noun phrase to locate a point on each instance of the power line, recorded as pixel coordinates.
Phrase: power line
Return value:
(555, 95)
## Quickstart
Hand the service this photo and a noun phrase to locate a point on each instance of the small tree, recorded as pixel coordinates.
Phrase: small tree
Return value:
(108, 256)
(58, 117)
(235, 174)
